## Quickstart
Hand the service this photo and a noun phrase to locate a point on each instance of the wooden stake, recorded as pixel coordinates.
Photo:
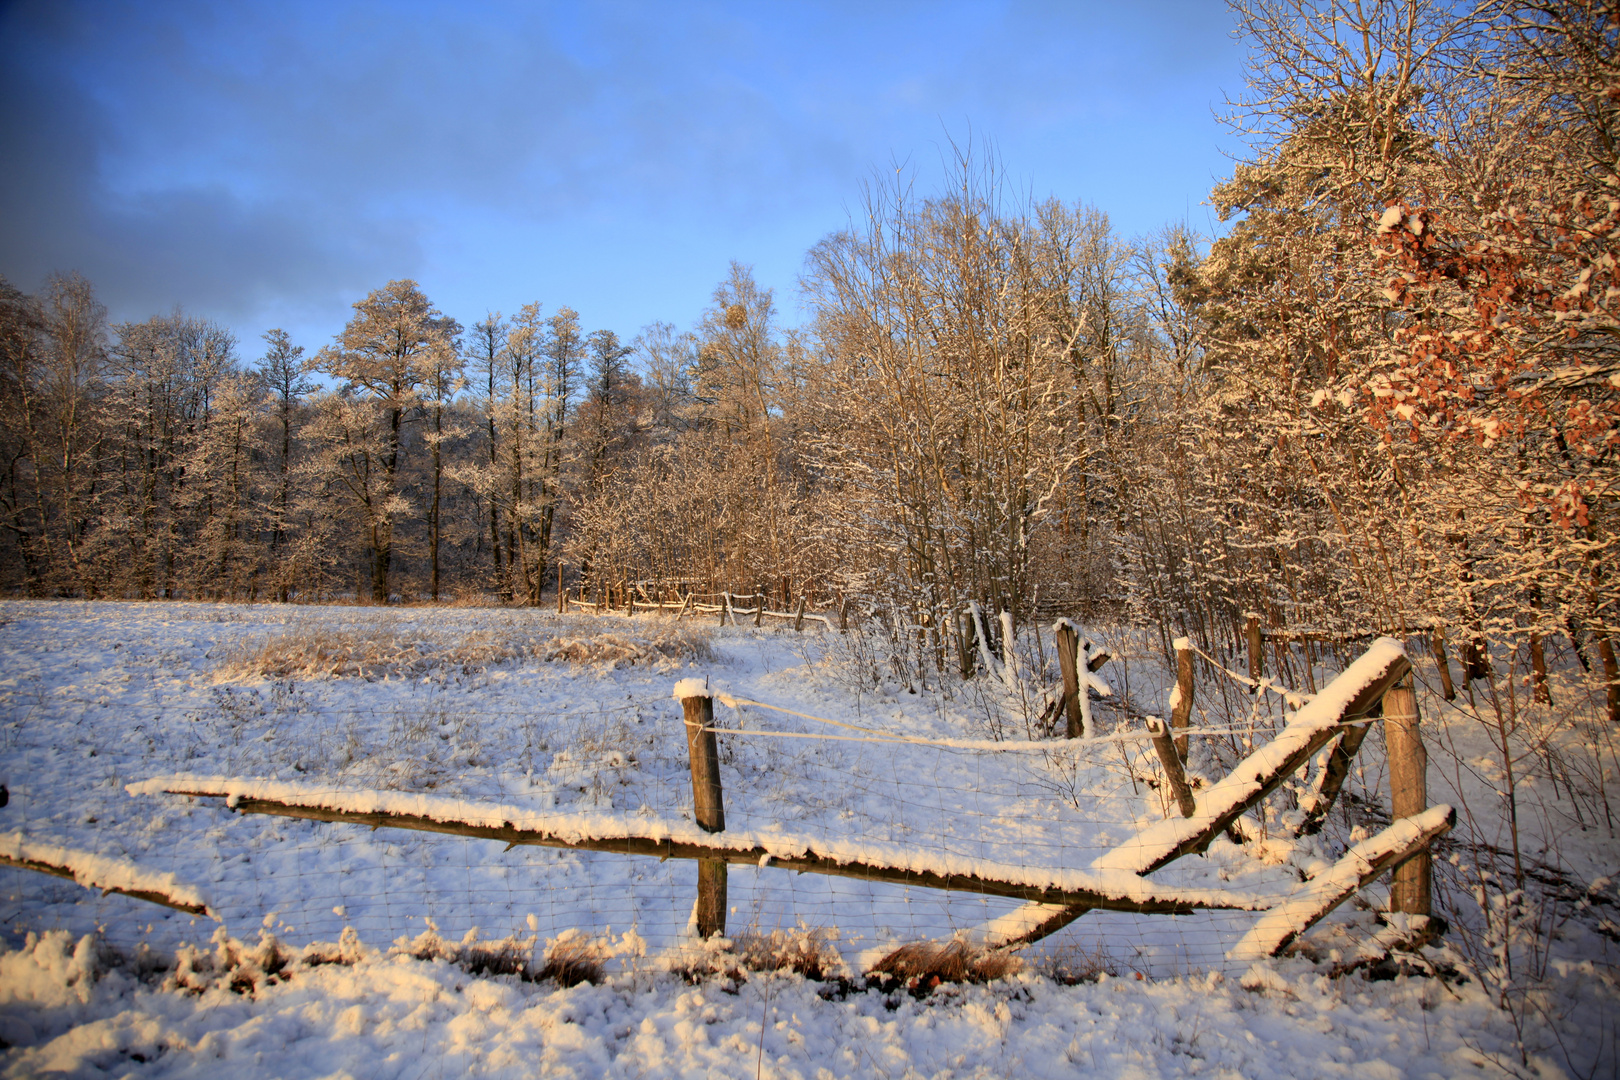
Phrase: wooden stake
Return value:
(1068, 650)
(1182, 702)
(1437, 645)
(708, 809)
(1409, 892)
(1257, 656)
(562, 593)
(759, 609)
(798, 620)
(1170, 760)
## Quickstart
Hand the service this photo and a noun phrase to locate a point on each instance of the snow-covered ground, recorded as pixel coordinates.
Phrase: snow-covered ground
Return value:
(575, 716)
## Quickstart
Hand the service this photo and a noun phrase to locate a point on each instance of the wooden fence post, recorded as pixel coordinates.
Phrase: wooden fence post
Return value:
(1170, 760)
(759, 609)
(708, 804)
(798, 620)
(1257, 656)
(1068, 650)
(1409, 795)
(1181, 700)
(562, 593)
(1437, 645)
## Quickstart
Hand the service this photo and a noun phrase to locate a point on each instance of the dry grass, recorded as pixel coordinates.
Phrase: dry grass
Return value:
(388, 652)
(672, 642)
(504, 956)
(807, 950)
(571, 961)
(926, 964)
(376, 653)
(1070, 965)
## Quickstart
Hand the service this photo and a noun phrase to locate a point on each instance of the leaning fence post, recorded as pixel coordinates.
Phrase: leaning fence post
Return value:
(1181, 699)
(1409, 796)
(1068, 650)
(708, 804)
(1170, 760)
(798, 619)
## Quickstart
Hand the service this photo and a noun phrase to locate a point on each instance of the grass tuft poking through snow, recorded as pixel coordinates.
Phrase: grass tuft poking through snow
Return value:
(923, 965)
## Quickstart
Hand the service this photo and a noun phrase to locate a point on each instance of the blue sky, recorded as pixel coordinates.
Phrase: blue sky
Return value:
(267, 164)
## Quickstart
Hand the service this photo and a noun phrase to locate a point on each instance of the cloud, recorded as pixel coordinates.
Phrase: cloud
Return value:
(270, 161)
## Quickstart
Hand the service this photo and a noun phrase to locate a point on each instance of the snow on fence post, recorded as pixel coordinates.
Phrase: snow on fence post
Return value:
(1257, 656)
(1409, 892)
(1170, 760)
(1068, 650)
(708, 805)
(759, 606)
(1181, 699)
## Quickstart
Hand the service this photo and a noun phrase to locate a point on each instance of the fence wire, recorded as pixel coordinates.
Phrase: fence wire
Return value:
(1051, 807)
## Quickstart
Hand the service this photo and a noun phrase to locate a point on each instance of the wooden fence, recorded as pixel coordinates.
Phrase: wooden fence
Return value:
(1377, 687)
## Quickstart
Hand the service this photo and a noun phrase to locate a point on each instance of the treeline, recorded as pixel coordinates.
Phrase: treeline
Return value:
(1386, 399)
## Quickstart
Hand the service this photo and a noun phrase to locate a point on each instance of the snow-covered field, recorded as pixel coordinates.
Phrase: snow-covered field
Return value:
(336, 936)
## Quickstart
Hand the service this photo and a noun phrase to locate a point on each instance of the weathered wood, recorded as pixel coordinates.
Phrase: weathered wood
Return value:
(562, 593)
(708, 802)
(1315, 899)
(1181, 706)
(1273, 777)
(1170, 761)
(1068, 650)
(1437, 645)
(1409, 892)
(684, 605)
(1257, 650)
(139, 894)
(708, 810)
(798, 618)
(759, 608)
(1215, 820)
(1165, 900)
(1334, 774)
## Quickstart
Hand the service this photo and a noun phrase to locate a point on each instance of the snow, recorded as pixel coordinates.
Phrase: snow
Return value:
(1291, 917)
(1324, 711)
(101, 871)
(691, 688)
(774, 842)
(98, 699)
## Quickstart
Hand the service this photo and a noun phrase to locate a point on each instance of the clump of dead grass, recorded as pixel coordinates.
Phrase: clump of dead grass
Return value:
(389, 652)
(1071, 964)
(571, 960)
(376, 653)
(806, 950)
(671, 643)
(502, 956)
(923, 965)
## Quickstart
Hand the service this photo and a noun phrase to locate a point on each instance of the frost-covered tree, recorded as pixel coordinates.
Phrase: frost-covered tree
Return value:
(391, 351)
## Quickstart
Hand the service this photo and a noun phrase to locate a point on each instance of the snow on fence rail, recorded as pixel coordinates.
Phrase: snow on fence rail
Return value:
(1053, 897)
(102, 872)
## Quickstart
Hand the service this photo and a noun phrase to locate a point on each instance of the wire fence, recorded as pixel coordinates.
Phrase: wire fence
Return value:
(861, 784)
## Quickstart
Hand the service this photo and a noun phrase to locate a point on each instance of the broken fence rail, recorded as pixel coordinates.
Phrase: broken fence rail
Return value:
(683, 840)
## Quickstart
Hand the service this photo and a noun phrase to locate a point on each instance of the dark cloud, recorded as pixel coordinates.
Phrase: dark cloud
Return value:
(272, 162)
